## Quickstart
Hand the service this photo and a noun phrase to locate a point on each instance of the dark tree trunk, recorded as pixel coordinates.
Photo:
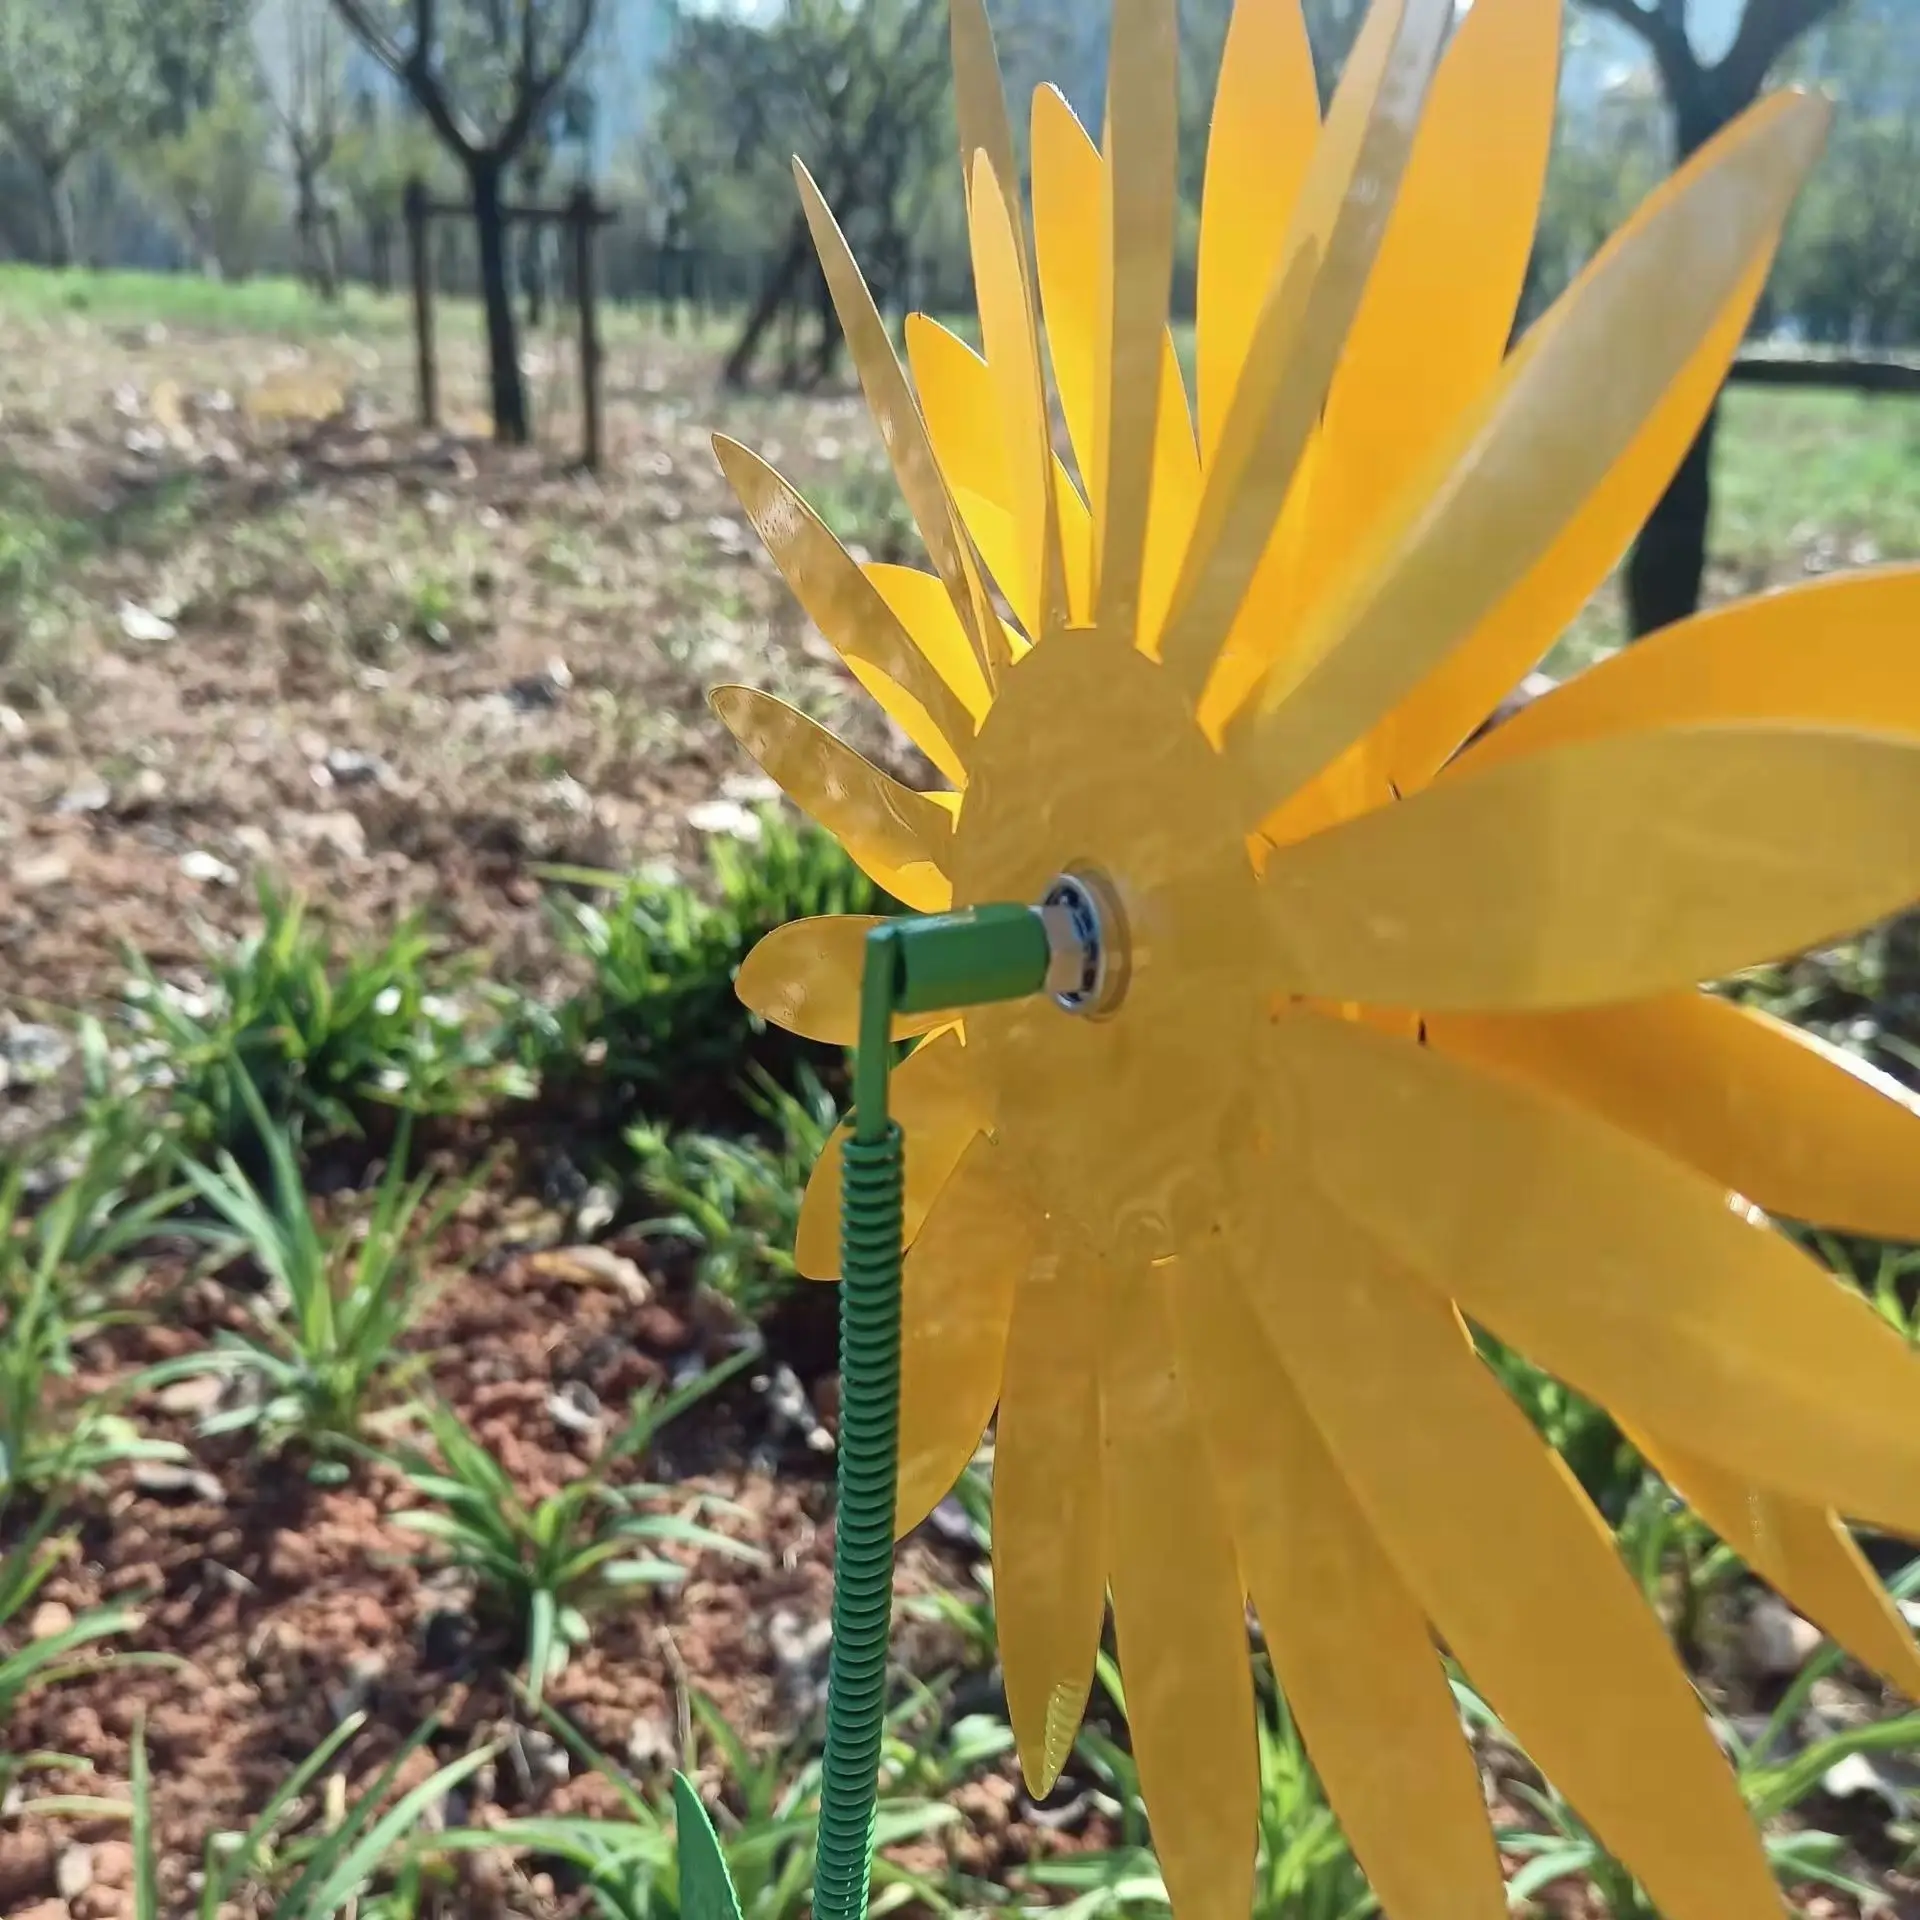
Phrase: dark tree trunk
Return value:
(496, 296)
(62, 249)
(380, 253)
(1669, 560)
(776, 294)
(317, 262)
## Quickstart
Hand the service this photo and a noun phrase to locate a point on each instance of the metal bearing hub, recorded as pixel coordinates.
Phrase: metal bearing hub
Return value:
(1086, 939)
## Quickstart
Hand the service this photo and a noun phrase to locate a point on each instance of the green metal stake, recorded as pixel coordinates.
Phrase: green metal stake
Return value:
(941, 962)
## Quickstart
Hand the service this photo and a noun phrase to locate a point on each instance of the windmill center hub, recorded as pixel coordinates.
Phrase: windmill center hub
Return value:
(1092, 791)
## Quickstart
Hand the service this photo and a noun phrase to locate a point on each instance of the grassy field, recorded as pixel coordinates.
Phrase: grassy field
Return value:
(309, 1475)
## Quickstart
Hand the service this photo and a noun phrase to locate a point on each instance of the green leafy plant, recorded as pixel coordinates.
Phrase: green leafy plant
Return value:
(658, 1018)
(324, 1037)
(311, 1874)
(28, 1662)
(767, 1833)
(738, 1200)
(542, 1569)
(59, 1279)
(1305, 1869)
(338, 1302)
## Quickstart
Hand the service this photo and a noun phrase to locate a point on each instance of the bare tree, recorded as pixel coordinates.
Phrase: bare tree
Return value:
(303, 72)
(1669, 559)
(485, 73)
(71, 73)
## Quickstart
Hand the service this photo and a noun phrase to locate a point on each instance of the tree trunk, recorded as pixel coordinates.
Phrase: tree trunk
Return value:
(1669, 560)
(380, 252)
(62, 249)
(776, 292)
(496, 296)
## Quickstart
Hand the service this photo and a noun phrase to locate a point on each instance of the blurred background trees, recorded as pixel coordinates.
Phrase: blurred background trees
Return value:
(232, 136)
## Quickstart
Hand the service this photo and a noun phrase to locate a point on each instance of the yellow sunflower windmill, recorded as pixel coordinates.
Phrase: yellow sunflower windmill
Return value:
(1350, 1035)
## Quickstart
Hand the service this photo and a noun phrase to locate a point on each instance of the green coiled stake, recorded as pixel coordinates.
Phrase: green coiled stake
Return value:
(944, 961)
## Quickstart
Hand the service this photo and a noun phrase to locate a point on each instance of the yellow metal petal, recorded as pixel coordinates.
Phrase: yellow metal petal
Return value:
(1805, 1553)
(1838, 652)
(919, 602)
(1008, 330)
(980, 102)
(1433, 327)
(1049, 1565)
(1349, 1642)
(1504, 1554)
(1068, 177)
(1179, 1619)
(1609, 869)
(935, 1097)
(964, 418)
(956, 1299)
(1139, 204)
(843, 604)
(1266, 119)
(1341, 219)
(1496, 496)
(805, 977)
(897, 837)
(1792, 1124)
(902, 430)
(1615, 1267)
(1459, 694)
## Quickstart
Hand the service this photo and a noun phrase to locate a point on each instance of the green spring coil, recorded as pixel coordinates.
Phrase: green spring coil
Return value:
(868, 1473)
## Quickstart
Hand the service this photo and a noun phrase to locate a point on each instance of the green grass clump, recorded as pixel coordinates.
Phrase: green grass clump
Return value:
(338, 1303)
(737, 1200)
(541, 1571)
(658, 1021)
(62, 1269)
(27, 1661)
(324, 1038)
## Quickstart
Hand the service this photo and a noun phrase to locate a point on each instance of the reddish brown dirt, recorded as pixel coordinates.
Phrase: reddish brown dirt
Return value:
(291, 1605)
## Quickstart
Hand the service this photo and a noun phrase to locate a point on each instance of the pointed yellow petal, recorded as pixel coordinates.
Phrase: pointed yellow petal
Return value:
(956, 1299)
(1804, 1553)
(1838, 653)
(1615, 1267)
(1179, 1619)
(1007, 328)
(1433, 327)
(1610, 869)
(980, 99)
(933, 1096)
(1340, 221)
(1349, 1643)
(1496, 496)
(902, 430)
(1139, 204)
(1266, 118)
(919, 602)
(1068, 177)
(1464, 688)
(897, 837)
(1798, 1127)
(963, 416)
(805, 977)
(842, 603)
(1049, 1566)
(1505, 1555)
